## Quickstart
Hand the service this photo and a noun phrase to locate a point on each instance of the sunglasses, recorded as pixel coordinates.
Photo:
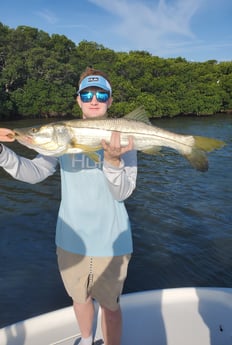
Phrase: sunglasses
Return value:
(101, 96)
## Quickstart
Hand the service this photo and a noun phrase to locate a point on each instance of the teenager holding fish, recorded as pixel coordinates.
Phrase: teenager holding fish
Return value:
(93, 234)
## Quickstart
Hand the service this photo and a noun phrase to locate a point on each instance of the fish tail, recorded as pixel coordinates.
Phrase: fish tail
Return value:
(197, 158)
(207, 144)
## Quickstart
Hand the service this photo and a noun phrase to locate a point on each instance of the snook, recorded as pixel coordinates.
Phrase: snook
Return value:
(85, 136)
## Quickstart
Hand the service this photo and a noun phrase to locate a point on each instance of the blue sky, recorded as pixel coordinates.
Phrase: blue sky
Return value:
(197, 30)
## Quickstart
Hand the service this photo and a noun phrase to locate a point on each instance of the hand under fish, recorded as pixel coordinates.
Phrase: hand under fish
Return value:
(113, 150)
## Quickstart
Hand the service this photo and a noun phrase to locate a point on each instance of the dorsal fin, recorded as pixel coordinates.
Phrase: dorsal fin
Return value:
(139, 114)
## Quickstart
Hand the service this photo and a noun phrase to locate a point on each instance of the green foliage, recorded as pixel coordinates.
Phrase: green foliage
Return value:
(42, 98)
(39, 76)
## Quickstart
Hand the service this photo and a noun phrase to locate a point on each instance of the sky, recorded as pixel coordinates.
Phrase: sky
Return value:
(197, 30)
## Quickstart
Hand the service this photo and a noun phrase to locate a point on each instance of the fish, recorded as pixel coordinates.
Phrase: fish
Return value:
(85, 136)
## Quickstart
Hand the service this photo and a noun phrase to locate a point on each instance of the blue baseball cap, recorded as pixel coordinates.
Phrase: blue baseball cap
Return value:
(96, 81)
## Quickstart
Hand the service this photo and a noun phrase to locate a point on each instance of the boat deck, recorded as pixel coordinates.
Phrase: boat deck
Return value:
(182, 316)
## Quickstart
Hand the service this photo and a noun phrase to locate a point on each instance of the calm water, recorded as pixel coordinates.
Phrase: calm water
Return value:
(181, 219)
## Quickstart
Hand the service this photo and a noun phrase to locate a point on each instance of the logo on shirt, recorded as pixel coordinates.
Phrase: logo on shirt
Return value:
(81, 161)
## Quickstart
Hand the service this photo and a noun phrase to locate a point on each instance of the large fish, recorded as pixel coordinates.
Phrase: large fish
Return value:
(75, 136)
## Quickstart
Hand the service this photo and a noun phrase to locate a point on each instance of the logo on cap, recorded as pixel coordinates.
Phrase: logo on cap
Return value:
(91, 79)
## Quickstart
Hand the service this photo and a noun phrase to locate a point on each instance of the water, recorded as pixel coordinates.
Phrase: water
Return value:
(181, 221)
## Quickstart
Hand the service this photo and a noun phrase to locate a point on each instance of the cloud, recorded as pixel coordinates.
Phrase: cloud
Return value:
(48, 16)
(147, 24)
(166, 28)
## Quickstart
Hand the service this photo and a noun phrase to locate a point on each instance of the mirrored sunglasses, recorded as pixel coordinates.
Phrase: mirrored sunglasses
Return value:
(101, 96)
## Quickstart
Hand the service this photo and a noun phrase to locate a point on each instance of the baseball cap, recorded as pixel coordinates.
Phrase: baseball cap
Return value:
(97, 81)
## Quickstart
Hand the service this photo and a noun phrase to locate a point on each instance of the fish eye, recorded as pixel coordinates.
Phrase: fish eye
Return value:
(34, 130)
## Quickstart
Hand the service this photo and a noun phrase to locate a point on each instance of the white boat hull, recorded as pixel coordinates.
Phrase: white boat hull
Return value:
(182, 316)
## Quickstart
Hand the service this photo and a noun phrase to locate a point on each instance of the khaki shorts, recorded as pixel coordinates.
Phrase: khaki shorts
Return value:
(102, 278)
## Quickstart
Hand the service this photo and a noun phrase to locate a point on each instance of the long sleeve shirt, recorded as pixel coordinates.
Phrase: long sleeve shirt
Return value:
(92, 217)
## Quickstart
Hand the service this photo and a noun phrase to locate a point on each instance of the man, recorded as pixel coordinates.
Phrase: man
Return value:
(93, 234)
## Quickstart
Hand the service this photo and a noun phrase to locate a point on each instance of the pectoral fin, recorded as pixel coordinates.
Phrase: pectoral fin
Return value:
(84, 148)
(93, 156)
(89, 151)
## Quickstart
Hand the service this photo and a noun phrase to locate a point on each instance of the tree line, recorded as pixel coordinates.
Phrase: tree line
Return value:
(39, 74)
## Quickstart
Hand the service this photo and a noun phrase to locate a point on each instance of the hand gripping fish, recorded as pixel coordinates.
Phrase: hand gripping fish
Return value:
(76, 136)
